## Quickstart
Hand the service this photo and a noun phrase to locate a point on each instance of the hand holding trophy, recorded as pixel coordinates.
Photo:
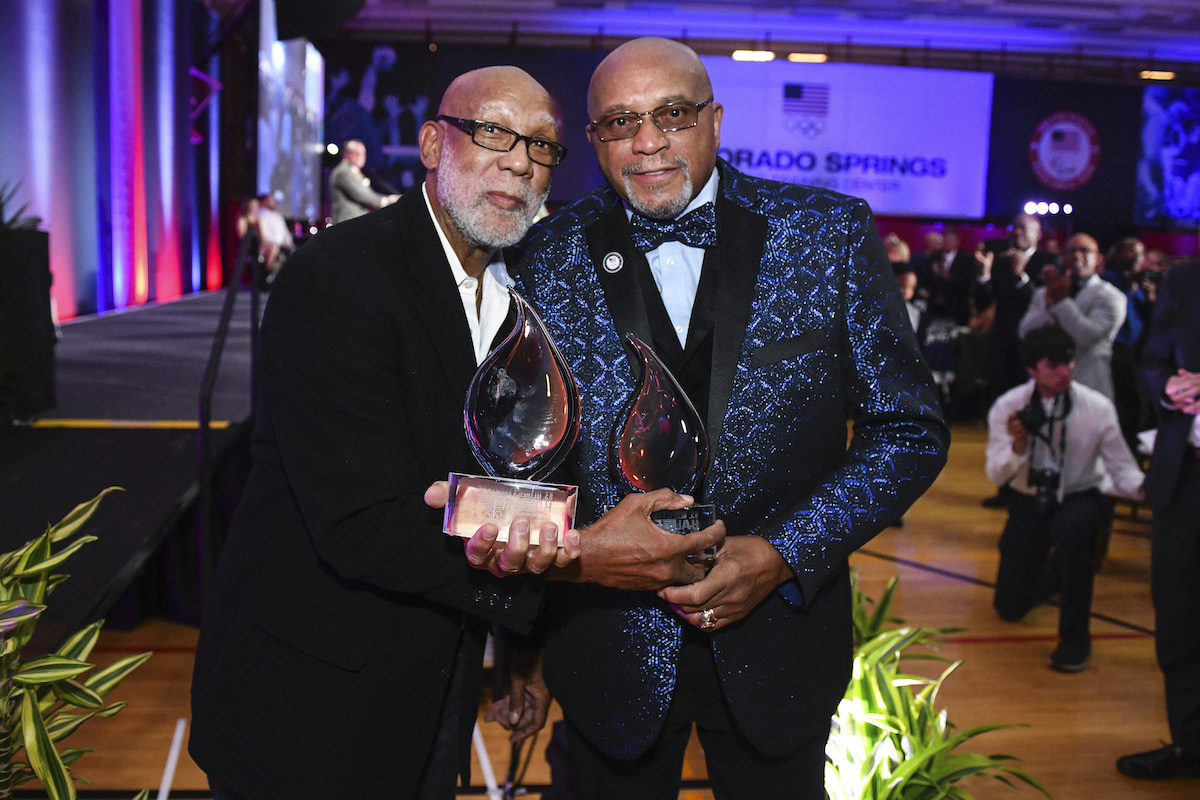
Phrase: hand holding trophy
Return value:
(521, 418)
(660, 442)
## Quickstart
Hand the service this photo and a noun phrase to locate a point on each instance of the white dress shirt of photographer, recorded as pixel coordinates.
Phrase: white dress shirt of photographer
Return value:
(1094, 454)
(1087, 307)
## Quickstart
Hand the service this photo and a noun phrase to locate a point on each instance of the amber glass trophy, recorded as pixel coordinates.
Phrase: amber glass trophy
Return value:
(521, 418)
(660, 442)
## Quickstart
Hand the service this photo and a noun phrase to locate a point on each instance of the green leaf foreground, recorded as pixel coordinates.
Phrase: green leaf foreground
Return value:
(41, 700)
(43, 756)
(888, 739)
(49, 669)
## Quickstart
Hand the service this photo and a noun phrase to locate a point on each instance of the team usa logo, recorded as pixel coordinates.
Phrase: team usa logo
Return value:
(1064, 150)
(613, 262)
(805, 108)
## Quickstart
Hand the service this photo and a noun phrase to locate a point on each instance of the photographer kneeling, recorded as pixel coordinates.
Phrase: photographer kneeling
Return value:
(1060, 445)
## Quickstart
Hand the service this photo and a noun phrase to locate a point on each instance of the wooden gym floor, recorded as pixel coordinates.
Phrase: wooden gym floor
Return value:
(945, 556)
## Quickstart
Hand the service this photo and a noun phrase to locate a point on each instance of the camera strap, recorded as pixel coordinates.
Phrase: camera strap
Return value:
(1062, 403)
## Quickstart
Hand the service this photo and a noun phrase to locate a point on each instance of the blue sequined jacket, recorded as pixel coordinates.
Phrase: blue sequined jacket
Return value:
(811, 334)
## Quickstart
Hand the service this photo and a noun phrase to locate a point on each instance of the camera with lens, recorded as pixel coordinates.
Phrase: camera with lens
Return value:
(1045, 491)
(1033, 415)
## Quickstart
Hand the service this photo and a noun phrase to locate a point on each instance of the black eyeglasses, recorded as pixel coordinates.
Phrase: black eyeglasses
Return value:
(625, 124)
(491, 136)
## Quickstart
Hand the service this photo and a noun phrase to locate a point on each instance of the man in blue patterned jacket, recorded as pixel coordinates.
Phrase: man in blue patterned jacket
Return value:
(783, 322)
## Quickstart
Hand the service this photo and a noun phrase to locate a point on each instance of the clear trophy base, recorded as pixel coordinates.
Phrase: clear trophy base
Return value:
(689, 520)
(476, 500)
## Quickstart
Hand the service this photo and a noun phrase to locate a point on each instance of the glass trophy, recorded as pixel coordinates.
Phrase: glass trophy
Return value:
(660, 442)
(521, 418)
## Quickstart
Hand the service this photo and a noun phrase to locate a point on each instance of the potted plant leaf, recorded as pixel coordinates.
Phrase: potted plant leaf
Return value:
(44, 700)
(889, 741)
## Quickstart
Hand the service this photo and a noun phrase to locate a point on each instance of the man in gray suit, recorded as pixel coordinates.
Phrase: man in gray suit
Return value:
(350, 190)
(1085, 306)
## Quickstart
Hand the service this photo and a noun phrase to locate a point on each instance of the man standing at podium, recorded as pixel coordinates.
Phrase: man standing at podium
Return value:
(350, 192)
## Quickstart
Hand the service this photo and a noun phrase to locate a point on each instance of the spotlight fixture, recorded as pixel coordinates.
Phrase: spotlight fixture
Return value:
(753, 55)
(1156, 75)
(1043, 207)
(332, 149)
(808, 58)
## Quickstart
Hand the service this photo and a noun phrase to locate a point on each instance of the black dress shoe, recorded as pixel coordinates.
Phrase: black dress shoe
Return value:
(1165, 762)
(1069, 658)
(998, 500)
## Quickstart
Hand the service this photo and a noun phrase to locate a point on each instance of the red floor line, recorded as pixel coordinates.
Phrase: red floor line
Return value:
(1047, 637)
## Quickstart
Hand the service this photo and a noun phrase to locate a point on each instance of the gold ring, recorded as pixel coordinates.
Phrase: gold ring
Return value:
(708, 619)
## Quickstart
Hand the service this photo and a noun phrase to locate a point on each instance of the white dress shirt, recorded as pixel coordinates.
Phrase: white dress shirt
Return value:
(676, 267)
(1096, 455)
(493, 308)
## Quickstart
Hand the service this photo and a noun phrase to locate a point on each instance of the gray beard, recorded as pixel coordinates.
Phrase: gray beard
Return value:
(668, 207)
(480, 223)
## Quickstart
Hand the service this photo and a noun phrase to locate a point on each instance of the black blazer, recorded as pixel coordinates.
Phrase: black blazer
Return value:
(1011, 296)
(1173, 343)
(338, 604)
(951, 296)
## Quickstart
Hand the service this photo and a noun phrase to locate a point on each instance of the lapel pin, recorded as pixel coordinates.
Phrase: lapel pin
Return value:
(613, 263)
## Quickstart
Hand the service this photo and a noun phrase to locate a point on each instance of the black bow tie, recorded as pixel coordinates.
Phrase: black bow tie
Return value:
(697, 229)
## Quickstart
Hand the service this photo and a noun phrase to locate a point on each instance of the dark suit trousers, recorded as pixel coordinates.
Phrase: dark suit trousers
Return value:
(439, 781)
(736, 770)
(1175, 586)
(1025, 549)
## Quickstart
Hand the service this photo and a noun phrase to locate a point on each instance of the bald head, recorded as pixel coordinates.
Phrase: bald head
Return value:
(649, 54)
(355, 152)
(473, 93)
(1081, 255)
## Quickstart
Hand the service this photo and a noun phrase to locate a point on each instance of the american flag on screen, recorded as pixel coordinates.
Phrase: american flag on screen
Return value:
(811, 99)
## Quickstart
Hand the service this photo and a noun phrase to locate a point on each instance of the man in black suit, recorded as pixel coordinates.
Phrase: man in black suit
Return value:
(1004, 289)
(342, 644)
(1171, 369)
(924, 260)
(1006, 281)
(948, 280)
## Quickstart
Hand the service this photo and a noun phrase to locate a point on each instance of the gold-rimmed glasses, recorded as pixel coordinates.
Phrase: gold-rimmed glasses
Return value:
(625, 124)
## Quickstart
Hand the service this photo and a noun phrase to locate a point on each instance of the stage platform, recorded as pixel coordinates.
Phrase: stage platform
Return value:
(128, 387)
